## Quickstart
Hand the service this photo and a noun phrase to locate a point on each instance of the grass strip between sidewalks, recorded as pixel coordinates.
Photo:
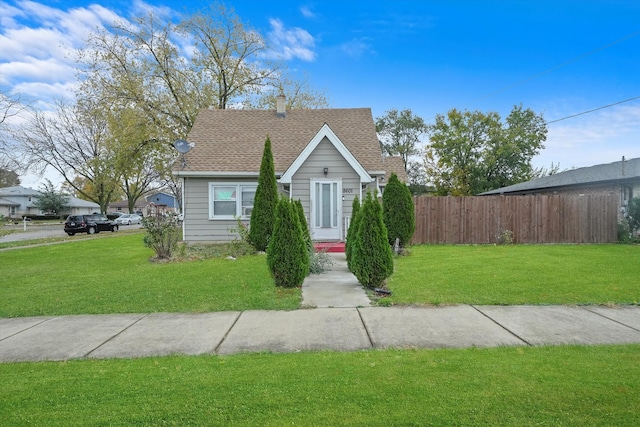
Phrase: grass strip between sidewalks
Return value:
(524, 386)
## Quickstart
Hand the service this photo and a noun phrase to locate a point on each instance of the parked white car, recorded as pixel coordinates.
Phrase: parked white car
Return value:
(128, 219)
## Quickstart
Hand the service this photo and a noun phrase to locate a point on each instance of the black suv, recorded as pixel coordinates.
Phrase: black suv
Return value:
(89, 224)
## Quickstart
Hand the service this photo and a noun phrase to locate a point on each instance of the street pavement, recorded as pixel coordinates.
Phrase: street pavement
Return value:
(336, 316)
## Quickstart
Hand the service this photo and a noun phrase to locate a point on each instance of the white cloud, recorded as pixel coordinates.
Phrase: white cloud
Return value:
(357, 47)
(141, 8)
(39, 43)
(22, 43)
(599, 137)
(291, 43)
(306, 12)
(47, 70)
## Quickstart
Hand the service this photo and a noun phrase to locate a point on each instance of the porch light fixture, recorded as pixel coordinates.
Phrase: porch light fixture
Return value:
(326, 171)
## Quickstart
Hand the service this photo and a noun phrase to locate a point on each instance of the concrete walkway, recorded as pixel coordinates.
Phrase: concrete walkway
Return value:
(337, 287)
(347, 323)
(338, 329)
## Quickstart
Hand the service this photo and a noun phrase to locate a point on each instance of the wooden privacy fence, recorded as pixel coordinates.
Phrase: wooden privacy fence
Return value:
(531, 219)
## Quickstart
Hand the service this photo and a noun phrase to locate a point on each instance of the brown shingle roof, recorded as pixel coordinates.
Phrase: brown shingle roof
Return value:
(394, 164)
(233, 140)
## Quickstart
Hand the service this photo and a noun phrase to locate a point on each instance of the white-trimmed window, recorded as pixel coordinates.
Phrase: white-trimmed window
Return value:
(231, 200)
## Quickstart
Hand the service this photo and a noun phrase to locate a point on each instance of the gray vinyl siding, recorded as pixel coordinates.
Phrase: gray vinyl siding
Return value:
(197, 225)
(325, 155)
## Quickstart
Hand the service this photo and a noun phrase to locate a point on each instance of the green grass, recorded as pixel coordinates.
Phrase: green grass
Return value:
(111, 273)
(518, 274)
(114, 275)
(521, 386)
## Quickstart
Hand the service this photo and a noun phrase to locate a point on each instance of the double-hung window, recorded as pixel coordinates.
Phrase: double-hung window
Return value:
(229, 200)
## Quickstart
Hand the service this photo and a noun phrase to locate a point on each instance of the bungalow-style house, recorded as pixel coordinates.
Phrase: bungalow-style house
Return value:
(17, 201)
(323, 157)
(618, 178)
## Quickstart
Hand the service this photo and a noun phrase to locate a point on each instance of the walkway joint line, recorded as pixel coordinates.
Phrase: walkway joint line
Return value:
(215, 350)
(609, 318)
(364, 325)
(502, 326)
(115, 335)
(30, 327)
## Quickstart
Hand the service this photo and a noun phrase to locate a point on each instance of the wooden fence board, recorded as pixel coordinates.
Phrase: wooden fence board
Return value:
(531, 219)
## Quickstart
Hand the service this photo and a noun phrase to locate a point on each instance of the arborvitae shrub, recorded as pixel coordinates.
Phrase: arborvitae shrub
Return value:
(398, 211)
(371, 257)
(264, 203)
(353, 228)
(304, 230)
(287, 253)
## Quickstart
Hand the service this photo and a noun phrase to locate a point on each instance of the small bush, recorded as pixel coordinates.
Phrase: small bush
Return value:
(287, 253)
(162, 235)
(505, 237)
(634, 214)
(319, 262)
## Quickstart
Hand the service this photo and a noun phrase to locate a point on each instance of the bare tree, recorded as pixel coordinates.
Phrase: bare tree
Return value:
(298, 94)
(73, 140)
(230, 53)
(10, 159)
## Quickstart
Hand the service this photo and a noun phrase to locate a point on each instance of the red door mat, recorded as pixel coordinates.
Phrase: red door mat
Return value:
(329, 246)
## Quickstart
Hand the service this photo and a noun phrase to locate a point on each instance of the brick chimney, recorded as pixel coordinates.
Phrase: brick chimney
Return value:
(280, 106)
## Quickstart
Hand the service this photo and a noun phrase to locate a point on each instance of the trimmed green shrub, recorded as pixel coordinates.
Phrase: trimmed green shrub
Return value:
(398, 211)
(264, 203)
(287, 253)
(371, 257)
(162, 235)
(304, 230)
(353, 228)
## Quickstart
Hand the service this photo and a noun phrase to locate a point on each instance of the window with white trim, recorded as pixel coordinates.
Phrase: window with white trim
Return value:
(231, 200)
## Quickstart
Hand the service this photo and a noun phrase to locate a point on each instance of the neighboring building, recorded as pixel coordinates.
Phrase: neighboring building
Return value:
(161, 203)
(17, 201)
(322, 157)
(123, 206)
(618, 178)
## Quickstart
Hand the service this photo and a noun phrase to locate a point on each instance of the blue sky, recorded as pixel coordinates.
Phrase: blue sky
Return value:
(559, 58)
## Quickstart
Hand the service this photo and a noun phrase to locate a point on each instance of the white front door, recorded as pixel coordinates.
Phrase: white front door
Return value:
(326, 209)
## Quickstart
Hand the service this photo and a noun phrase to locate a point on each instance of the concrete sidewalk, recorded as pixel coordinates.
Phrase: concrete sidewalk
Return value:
(337, 329)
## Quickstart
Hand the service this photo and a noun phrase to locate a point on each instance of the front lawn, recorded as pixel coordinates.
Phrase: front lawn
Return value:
(518, 274)
(114, 275)
(521, 386)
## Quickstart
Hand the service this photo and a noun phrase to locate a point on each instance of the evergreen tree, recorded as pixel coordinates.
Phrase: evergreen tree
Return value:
(398, 211)
(353, 228)
(264, 204)
(304, 229)
(50, 201)
(287, 255)
(371, 257)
